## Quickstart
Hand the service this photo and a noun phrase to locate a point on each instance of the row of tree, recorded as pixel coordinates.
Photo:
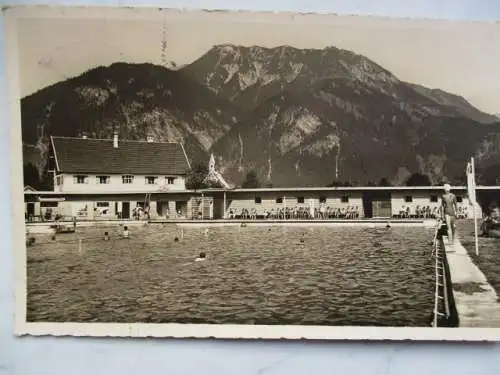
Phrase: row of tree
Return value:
(196, 179)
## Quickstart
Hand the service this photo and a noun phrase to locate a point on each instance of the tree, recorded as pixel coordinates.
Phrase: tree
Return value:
(384, 182)
(418, 179)
(251, 181)
(460, 179)
(196, 176)
(489, 175)
(334, 183)
(31, 176)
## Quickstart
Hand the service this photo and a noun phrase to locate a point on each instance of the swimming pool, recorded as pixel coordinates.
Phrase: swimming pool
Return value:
(253, 275)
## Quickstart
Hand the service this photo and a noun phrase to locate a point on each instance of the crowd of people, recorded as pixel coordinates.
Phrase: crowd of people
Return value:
(428, 212)
(297, 212)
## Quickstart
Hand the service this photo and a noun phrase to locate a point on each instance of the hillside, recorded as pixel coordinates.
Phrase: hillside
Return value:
(136, 100)
(336, 129)
(462, 106)
(317, 114)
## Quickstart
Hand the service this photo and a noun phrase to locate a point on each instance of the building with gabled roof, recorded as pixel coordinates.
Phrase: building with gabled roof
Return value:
(113, 165)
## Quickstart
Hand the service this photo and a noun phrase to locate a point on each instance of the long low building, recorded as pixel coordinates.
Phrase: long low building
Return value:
(361, 202)
(104, 179)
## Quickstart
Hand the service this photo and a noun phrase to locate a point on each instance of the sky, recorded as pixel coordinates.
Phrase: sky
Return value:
(456, 56)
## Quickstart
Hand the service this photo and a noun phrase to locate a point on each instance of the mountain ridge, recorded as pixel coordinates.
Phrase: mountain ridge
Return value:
(296, 116)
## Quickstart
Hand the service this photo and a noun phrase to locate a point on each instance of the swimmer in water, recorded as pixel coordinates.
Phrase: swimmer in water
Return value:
(201, 257)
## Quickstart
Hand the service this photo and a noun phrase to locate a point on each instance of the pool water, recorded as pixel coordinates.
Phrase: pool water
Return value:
(252, 275)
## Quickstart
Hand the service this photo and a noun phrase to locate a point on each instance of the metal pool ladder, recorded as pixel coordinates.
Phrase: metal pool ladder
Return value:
(441, 302)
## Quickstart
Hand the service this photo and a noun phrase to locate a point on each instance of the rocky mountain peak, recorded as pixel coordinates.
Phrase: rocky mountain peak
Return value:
(295, 116)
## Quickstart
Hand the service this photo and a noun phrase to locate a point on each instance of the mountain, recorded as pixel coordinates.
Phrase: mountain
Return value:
(137, 100)
(315, 115)
(341, 126)
(462, 106)
(295, 116)
(247, 76)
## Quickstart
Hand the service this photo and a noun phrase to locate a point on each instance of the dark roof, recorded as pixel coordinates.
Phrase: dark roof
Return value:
(79, 155)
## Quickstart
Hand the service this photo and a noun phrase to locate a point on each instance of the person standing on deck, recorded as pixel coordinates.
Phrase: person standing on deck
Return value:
(449, 211)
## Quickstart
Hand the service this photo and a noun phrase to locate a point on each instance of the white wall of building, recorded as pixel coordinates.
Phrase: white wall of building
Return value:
(68, 183)
(422, 199)
(268, 201)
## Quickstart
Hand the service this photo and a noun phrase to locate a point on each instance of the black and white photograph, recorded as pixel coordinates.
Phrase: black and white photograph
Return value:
(254, 175)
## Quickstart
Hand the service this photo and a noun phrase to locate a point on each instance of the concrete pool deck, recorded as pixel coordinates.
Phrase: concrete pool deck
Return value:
(46, 227)
(298, 222)
(478, 307)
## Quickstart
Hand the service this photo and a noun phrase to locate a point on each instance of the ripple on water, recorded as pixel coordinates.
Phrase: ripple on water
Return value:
(338, 276)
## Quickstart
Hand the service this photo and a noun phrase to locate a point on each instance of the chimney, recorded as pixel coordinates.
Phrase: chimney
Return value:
(115, 140)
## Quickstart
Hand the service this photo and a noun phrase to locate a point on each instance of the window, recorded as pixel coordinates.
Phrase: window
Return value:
(322, 199)
(258, 200)
(81, 180)
(102, 204)
(150, 180)
(459, 199)
(344, 199)
(408, 199)
(434, 198)
(300, 199)
(48, 204)
(59, 180)
(127, 179)
(279, 200)
(170, 180)
(102, 179)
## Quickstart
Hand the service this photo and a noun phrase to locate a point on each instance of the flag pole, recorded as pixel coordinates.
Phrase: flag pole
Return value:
(473, 171)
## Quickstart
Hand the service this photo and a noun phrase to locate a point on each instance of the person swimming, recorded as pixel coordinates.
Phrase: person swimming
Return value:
(201, 257)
